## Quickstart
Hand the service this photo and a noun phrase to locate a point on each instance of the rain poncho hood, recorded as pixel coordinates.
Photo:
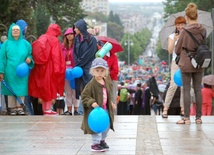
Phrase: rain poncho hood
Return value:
(82, 26)
(54, 30)
(22, 24)
(12, 54)
(9, 35)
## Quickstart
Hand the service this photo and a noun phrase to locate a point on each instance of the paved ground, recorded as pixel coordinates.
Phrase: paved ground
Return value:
(140, 135)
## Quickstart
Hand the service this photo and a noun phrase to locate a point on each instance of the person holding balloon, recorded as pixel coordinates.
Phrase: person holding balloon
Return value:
(16, 59)
(98, 107)
(67, 49)
(180, 22)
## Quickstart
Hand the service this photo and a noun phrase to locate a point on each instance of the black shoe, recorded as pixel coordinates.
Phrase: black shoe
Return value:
(67, 113)
(76, 113)
(104, 144)
(97, 148)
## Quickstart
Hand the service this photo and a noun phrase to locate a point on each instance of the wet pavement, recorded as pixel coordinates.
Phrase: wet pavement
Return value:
(134, 135)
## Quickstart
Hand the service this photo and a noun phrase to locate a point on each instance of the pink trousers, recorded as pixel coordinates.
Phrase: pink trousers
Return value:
(46, 105)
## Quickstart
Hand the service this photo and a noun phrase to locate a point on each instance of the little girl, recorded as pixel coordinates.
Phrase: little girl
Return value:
(98, 93)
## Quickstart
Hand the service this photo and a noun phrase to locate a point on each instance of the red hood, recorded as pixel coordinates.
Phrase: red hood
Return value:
(54, 30)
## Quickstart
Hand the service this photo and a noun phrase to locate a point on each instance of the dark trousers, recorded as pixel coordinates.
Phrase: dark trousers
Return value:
(122, 108)
(37, 108)
(195, 78)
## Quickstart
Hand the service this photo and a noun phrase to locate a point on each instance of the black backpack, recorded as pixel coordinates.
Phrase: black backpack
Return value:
(203, 56)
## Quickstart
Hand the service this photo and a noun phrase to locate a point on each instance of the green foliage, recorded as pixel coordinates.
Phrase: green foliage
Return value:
(114, 30)
(98, 16)
(162, 54)
(13, 10)
(65, 12)
(140, 41)
(37, 13)
(174, 6)
(42, 19)
(115, 18)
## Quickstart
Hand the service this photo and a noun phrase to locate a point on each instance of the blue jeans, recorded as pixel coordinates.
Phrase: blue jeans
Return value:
(96, 138)
(28, 105)
(80, 108)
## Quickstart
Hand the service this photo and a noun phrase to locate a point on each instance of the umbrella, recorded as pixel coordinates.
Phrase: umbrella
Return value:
(116, 45)
(161, 87)
(204, 18)
(208, 79)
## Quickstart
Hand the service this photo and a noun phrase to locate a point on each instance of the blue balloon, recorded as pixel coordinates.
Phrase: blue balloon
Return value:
(98, 120)
(22, 70)
(72, 84)
(77, 72)
(178, 78)
(69, 74)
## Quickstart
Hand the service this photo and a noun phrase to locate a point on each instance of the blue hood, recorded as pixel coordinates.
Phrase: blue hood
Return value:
(82, 26)
(22, 24)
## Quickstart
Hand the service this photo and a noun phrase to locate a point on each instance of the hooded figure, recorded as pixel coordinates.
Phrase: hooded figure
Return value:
(12, 54)
(23, 25)
(48, 76)
(85, 48)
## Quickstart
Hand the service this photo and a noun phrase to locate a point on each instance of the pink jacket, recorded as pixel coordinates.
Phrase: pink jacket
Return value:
(71, 58)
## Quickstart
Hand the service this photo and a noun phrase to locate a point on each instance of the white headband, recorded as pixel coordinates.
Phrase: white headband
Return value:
(15, 27)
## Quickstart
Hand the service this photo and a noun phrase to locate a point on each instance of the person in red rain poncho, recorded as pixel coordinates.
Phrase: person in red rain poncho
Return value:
(47, 78)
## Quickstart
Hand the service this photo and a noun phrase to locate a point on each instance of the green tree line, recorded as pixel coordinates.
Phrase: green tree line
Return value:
(39, 13)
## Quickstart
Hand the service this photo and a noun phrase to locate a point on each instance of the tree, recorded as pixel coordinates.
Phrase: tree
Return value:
(65, 12)
(114, 30)
(140, 41)
(13, 10)
(42, 19)
(99, 16)
(162, 54)
(114, 18)
(174, 6)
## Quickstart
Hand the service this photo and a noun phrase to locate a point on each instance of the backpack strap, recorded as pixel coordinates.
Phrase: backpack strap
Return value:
(193, 38)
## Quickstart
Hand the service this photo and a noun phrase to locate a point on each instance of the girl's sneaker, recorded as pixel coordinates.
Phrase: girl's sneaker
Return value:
(104, 144)
(50, 112)
(97, 148)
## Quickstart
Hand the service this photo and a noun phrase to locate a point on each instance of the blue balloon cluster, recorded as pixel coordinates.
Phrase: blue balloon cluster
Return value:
(22, 70)
(98, 120)
(72, 73)
(178, 78)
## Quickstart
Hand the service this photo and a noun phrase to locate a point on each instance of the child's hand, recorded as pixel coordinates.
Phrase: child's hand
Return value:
(28, 60)
(94, 105)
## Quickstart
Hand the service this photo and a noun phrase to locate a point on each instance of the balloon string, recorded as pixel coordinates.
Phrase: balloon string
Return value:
(17, 98)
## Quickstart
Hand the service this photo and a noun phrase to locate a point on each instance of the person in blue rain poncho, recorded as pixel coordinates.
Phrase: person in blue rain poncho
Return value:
(85, 47)
(14, 52)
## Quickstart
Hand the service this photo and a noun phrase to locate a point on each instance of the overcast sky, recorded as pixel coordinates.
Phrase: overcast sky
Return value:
(136, 1)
